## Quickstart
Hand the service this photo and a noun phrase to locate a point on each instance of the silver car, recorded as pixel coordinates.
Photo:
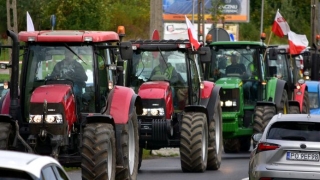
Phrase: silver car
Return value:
(288, 148)
(19, 165)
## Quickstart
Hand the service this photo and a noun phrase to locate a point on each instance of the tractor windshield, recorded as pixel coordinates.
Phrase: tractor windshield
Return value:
(147, 66)
(240, 63)
(49, 64)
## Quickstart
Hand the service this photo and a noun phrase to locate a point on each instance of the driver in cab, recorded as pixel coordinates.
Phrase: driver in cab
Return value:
(69, 68)
(235, 67)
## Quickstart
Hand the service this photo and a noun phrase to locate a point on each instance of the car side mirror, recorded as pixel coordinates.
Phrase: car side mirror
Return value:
(126, 51)
(257, 137)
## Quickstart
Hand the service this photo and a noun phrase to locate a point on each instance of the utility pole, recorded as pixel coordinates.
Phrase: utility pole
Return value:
(314, 20)
(201, 29)
(11, 23)
(156, 20)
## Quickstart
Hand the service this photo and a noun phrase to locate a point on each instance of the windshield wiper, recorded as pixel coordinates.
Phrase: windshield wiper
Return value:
(68, 47)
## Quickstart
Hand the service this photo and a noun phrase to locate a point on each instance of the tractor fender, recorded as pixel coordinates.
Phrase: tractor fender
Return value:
(299, 94)
(99, 118)
(280, 86)
(210, 101)
(120, 103)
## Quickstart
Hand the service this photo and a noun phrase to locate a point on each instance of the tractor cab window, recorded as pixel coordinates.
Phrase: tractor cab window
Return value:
(60, 64)
(278, 67)
(233, 63)
(167, 66)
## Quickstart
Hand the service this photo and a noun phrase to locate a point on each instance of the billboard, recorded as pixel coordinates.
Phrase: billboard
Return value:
(232, 10)
(180, 31)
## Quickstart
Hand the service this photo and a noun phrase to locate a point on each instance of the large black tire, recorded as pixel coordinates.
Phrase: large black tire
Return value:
(294, 110)
(231, 145)
(140, 157)
(262, 116)
(98, 152)
(306, 103)
(215, 139)
(194, 142)
(284, 104)
(130, 149)
(5, 135)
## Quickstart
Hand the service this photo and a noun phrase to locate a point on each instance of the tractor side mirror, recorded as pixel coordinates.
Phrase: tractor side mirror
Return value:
(205, 54)
(273, 54)
(126, 51)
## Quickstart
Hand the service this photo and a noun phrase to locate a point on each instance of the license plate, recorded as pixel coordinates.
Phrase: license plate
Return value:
(302, 156)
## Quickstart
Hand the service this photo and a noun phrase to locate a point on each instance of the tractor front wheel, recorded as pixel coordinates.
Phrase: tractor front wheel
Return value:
(98, 153)
(306, 103)
(130, 149)
(194, 142)
(215, 139)
(5, 135)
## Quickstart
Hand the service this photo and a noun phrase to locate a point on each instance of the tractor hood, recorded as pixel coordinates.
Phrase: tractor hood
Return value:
(51, 93)
(313, 86)
(154, 90)
(54, 99)
(229, 82)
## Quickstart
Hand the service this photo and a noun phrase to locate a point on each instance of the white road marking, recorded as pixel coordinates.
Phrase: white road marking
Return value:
(245, 178)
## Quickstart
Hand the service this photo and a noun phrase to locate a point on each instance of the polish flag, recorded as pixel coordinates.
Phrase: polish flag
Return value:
(280, 26)
(192, 34)
(297, 43)
(30, 26)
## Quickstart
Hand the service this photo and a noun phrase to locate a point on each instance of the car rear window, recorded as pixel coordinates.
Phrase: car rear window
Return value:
(295, 131)
(11, 174)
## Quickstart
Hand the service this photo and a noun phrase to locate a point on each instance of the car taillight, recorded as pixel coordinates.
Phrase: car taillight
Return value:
(266, 146)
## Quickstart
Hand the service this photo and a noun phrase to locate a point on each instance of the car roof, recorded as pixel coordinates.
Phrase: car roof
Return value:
(295, 117)
(31, 163)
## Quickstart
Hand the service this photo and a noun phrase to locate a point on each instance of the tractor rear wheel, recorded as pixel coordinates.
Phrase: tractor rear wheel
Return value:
(306, 103)
(294, 110)
(194, 142)
(262, 116)
(98, 153)
(231, 145)
(215, 139)
(5, 135)
(130, 149)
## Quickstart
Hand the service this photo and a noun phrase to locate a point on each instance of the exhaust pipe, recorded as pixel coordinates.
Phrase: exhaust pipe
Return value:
(14, 84)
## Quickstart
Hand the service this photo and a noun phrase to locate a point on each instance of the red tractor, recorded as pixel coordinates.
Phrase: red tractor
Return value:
(180, 110)
(94, 127)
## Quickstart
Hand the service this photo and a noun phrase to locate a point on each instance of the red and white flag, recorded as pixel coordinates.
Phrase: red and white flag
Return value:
(297, 43)
(192, 34)
(280, 26)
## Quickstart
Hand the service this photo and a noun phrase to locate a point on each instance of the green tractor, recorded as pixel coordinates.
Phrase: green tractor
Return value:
(251, 95)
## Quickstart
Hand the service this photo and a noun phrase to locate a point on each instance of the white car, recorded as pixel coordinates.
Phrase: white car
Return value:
(18, 165)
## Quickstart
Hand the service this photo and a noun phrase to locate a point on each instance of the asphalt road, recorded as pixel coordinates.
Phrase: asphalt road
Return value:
(233, 167)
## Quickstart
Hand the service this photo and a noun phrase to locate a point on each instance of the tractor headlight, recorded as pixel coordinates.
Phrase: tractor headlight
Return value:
(35, 118)
(54, 118)
(228, 103)
(144, 111)
(221, 103)
(153, 112)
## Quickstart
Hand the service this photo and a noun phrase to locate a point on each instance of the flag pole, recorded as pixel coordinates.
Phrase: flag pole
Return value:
(264, 56)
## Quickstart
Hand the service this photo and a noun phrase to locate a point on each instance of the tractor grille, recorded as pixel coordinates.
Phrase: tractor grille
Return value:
(232, 95)
(153, 129)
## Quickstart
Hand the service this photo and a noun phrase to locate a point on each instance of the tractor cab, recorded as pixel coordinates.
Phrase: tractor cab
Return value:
(237, 65)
